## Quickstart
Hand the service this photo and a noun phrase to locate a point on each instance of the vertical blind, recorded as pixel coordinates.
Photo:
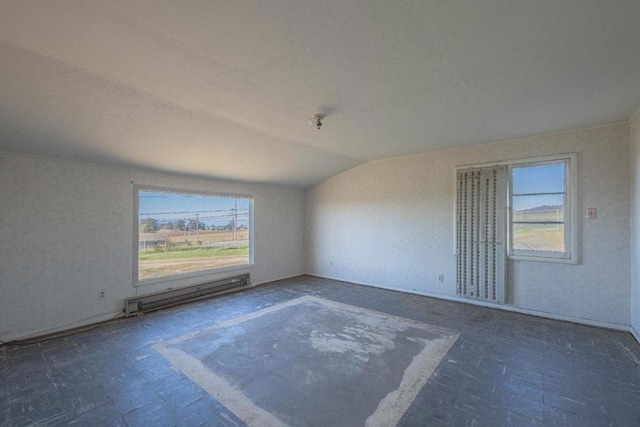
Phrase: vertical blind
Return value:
(481, 233)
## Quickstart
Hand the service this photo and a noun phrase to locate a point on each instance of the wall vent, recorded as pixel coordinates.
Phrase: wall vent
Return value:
(171, 297)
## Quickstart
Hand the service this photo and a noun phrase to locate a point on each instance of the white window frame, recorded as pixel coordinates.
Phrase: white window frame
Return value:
(180, 276)
(570, 255)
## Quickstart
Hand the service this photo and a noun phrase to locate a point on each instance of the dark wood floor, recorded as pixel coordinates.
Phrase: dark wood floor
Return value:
(504, 369)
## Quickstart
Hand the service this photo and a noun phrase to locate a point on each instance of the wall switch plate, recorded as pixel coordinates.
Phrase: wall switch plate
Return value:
(591, 213)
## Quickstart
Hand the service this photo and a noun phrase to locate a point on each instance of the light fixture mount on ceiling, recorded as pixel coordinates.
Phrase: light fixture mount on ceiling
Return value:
(316, 120)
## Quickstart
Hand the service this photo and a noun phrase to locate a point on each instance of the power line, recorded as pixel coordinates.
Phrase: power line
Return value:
(201, 219)
(189, 212)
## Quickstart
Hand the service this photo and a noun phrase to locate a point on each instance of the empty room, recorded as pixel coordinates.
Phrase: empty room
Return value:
(303, 213)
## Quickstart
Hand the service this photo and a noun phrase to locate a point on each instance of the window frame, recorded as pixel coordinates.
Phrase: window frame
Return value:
(137, 188)
(570, 254)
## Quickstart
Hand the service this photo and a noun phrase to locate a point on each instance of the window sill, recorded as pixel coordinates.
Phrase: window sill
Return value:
(542, 259)
(183, 276)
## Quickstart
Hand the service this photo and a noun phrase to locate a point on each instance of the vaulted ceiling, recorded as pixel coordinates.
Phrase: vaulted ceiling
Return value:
(225, 89)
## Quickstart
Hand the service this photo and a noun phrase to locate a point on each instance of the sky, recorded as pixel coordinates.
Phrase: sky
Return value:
(538, 179)
(211, 210)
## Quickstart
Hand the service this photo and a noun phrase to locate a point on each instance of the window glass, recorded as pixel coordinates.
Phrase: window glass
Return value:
(548, 178)
(538, 237)
(538, 208)
(181, 232)
(539, 214)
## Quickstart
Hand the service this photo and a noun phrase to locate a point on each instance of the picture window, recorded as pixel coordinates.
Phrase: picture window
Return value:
(185, 233)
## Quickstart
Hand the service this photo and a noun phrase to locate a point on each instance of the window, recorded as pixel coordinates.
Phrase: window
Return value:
(186, 233)
(541, 210)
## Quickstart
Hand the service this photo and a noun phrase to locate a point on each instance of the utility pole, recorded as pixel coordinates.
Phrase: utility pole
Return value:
(197, 226)
(235, 219)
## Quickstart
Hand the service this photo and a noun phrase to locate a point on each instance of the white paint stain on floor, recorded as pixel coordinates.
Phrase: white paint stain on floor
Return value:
(365, 334)
(394, 405)
(370, 336)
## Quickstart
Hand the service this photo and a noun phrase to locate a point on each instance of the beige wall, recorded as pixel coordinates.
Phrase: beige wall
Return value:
(635, 224)
(66, 233)
(390, 223)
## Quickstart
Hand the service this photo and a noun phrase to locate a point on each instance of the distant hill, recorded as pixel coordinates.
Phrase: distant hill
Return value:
(543, 208)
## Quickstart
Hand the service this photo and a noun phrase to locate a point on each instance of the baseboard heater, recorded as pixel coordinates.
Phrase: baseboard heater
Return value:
(171, 297)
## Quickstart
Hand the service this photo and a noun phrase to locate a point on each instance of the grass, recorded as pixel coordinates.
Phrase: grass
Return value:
(538, 239)
(194, 253)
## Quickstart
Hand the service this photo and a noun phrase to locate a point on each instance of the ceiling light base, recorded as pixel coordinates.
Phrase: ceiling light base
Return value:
(316, 120)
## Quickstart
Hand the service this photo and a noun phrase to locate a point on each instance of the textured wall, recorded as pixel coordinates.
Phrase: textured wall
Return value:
(635, 225)
(66, 232)
(390, 223)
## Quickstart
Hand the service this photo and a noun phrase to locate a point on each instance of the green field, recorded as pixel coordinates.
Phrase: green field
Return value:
(538, 237)
(194, 253)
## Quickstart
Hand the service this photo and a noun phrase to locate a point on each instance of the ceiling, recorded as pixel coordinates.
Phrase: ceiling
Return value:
(225, 89)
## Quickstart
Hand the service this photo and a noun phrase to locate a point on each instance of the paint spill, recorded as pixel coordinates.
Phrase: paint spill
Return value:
(329, 349)
(359, 340)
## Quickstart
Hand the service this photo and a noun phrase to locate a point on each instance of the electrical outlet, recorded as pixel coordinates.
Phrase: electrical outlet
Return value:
(102, 294)
(441, 278)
